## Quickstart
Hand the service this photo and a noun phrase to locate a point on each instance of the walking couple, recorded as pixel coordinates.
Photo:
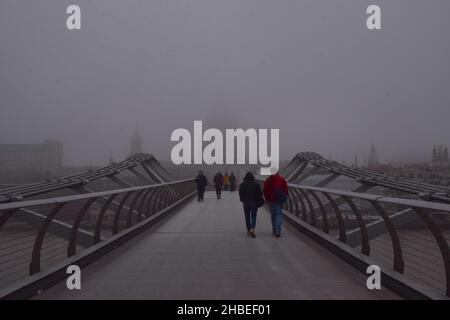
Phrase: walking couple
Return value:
(275, 191)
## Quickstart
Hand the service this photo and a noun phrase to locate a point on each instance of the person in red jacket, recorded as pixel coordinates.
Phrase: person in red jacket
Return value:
(275, 191)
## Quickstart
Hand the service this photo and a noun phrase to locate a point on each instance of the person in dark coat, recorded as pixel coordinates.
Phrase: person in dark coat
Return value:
(218, 182)
(232, 182)
(201, 185)
(250, 194)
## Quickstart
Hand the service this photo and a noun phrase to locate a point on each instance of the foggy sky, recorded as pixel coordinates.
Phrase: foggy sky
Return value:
(307, 67)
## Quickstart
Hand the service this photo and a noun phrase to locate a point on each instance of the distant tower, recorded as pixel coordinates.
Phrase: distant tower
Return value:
(356, 162)
(135, 143)
(373, 159)
(111, 159)
(434, 154)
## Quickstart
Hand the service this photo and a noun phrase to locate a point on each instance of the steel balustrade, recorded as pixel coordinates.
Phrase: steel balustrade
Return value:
(382, 207)
(157, 197)
(155, 174)
(296, 172)
(378, 230)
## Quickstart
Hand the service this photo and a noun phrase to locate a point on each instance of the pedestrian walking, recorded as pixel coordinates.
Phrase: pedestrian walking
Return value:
(232, 182)
(201, 182)
(275, 192)
(226, 182)
(250, 194)
(218, 182)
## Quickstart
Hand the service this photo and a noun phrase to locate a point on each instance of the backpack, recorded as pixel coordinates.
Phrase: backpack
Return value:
(280, 196)
(260, 198)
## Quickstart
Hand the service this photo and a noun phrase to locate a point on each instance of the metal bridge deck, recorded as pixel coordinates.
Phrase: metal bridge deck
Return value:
(203, 252)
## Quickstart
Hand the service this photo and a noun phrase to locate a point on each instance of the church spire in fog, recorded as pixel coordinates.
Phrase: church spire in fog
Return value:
(136, 143)
(373, 158)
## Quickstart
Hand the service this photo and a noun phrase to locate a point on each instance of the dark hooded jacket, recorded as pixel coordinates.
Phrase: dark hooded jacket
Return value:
(250, 190)
(218, 180)
(201, 182)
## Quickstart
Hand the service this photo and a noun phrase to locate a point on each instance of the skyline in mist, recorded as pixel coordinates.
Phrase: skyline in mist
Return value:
(309, 68)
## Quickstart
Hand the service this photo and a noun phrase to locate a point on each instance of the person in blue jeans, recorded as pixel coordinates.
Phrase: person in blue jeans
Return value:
(276, 192)
(276, 213)
(250, 194)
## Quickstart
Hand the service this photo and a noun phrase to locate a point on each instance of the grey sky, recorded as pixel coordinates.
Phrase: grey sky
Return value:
(309, 68)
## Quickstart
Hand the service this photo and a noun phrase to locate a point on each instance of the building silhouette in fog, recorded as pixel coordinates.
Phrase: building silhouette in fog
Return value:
(44, 157)
(440, 156)
(135, 143)
(373, 158)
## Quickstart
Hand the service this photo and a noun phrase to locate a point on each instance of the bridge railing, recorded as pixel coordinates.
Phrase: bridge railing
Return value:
(36, 234)
(409, 237)
(306, 164)
(142, 166)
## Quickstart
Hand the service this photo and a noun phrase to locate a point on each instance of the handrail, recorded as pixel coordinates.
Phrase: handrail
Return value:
(294, 172)
(380, 198)
(331, 202)
(74, 211)
(386, 209)
(154, 170)
(83, 196)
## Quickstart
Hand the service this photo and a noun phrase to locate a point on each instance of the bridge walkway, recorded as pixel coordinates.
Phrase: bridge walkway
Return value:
(203, 252)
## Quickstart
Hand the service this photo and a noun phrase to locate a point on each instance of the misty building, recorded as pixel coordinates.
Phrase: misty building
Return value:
(373, 158)
(44, 157)
(135, 143)
(440, 156)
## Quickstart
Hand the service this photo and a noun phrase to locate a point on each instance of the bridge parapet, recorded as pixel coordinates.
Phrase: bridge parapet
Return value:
(65, 225)
(306, 164)
(143, 167)
(407, 238)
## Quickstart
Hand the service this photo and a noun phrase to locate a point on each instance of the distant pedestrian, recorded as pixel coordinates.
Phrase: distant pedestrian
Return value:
(232, 182)
(226, 181)
(275, 193)
(250, 194)
(201, 185)
(218, 182)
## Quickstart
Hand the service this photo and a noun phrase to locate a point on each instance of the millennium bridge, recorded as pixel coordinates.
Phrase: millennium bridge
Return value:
(136, 232)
